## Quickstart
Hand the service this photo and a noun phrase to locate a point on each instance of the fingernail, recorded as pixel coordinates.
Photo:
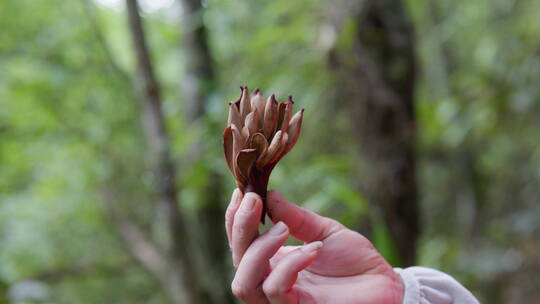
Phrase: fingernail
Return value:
(248, 203)
(311, 247)
(278, 229)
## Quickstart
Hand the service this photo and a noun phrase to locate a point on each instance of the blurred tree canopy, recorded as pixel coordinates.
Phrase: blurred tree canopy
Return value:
(75, 163)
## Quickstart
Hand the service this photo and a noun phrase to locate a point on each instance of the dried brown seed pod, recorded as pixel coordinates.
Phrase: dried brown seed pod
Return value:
(259, 133)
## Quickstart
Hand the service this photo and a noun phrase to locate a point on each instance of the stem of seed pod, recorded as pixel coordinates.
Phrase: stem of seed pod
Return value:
(261, 191)
(258, 183)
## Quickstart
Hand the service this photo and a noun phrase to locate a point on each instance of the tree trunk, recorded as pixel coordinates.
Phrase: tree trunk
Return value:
(198, 83)
(377, 71)
(181, 281)
(199, 78)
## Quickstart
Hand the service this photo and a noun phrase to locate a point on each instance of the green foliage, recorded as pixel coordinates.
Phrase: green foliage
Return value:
(478, 108)
(382, 241)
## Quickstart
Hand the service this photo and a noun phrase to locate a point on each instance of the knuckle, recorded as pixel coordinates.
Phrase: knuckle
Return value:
(238, 290)
(332, 227)
(335, 224)
(239, 231)
(271, 290)
(228, 213)
(261, 245)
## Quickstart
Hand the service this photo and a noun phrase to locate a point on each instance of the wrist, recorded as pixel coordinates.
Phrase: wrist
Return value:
(398, 288)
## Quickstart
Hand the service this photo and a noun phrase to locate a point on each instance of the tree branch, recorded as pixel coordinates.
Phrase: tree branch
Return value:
(198, 82)
(199, 77)
(142, 248)
(181, 286)
(138, 244)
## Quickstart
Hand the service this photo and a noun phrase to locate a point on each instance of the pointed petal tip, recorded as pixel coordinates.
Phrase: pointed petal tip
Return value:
(244, 92)
(257, 91)
(235, 102)
(243, 88)
(241, 92)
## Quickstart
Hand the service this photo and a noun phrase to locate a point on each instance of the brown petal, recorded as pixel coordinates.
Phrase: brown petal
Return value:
(234, 115)
(270, 116)
(281, 113)
(279, 154)
(245, 132)
(287, 115)
(295, 126)
(228, 147)
(244, 161)
(245, 103)
(258, 102)
(272, 151)
(259, 143)
(238, 141)
(252, 122)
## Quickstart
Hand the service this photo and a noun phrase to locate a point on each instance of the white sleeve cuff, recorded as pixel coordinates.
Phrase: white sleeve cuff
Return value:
(428, 286)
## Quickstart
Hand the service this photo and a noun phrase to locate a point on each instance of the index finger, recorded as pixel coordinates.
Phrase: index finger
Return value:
(245, 226)
(231, 211)
(305, 225)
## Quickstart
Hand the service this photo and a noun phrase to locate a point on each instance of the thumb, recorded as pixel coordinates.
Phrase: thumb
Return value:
(303, 224)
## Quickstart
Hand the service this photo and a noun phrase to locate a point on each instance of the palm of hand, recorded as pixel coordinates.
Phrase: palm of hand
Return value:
(347, 270)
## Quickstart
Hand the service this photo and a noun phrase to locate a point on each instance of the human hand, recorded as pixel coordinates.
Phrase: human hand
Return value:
(336, 265)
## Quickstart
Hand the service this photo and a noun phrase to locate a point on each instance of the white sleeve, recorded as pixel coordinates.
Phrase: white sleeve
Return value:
(428, 286)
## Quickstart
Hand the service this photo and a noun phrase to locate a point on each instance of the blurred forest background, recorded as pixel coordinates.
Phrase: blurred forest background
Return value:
(421, 131)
